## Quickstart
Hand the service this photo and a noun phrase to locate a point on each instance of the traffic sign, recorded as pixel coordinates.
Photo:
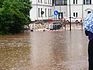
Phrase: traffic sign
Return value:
(42, 12)
(56, 12)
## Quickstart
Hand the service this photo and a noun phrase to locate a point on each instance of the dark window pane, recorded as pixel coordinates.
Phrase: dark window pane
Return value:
(76, 14)
(73, 1)
(86, 2)
(89, 12)
(60, 2)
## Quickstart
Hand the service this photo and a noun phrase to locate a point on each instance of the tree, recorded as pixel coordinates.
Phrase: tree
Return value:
(14, 14)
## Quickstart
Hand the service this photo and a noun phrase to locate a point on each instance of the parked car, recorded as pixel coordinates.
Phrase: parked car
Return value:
(55, 25)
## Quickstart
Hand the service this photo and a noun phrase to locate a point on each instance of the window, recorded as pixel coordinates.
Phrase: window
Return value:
(86, 2)
(89, 12)
(83, 1)
(45, 12)
(60, 15)
(45, 1)
(38, 12)
(40, 1)
(48, 1)
(75, 14)
(65, 2)
(74, 1)
(50, 12)
(53, 2)
(41, 11)
(60, 2)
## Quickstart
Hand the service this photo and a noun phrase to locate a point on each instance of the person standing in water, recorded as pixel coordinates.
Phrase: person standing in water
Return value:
(88, 26)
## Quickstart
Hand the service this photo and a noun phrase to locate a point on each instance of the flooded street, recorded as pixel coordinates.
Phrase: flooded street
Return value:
(58, 50)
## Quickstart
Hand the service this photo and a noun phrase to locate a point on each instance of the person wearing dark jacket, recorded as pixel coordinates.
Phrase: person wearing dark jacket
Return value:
(90, 49)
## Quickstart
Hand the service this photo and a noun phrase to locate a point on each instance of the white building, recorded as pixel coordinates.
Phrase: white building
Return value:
(38, 6)
(76, 9)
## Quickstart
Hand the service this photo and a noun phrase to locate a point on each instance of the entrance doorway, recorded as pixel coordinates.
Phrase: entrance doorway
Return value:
(60, 15)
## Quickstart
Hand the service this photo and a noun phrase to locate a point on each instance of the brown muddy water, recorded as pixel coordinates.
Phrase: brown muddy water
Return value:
(62, 50)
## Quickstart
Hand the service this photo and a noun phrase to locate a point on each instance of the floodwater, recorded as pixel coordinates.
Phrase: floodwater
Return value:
(58, 50)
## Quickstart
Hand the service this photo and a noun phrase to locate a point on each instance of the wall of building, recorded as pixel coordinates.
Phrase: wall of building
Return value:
(47, 10)
(62, 9)
(78, 10)
(42, 5)
(33, 13)
(87, 8)
(34, 1)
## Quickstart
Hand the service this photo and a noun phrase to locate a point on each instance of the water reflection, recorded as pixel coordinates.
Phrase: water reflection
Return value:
(44, 51)
(59, 50)
(15, 52)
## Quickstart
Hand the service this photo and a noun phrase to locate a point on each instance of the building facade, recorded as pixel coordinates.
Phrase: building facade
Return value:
(39, 6)
(76, 9)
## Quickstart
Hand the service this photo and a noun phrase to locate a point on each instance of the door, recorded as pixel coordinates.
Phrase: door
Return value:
(60, 15)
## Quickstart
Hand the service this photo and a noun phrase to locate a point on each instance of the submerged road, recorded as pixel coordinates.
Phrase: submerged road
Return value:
(62, 50)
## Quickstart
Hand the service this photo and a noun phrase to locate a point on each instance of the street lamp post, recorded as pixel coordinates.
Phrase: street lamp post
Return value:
(70, 14)
(37, 8)
(60, 9)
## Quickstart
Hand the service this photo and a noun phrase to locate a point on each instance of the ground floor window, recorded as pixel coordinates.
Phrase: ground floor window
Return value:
(89, 12)
(75, 14)
(60, 15)
(38, 12)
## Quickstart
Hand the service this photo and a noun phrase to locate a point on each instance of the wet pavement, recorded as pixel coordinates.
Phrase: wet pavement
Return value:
(61, 50)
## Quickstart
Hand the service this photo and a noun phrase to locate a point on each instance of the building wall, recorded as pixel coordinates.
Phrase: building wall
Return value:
(41, 4)
(33, 13)
(62, 9)
(87, 8)
(78, 10)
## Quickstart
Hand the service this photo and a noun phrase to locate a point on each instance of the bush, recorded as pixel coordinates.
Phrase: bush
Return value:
(14, 14)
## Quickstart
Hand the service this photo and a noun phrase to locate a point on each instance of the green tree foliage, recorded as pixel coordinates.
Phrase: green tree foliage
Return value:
(14, 14)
